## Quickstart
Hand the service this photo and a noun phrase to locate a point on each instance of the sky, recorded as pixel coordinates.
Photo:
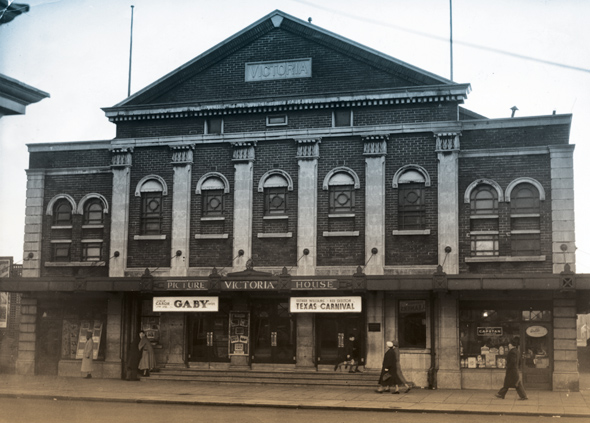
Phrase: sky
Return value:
(532, 54)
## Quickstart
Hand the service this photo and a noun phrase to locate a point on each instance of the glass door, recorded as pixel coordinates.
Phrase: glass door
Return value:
(537, 355)
(208, 335)
(273, 332)
(332, 333)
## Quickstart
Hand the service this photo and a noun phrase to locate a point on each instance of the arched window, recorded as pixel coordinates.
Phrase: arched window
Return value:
(93, 212)
(524, 199)
(525, 220)
(62, 213)
(484, 200)
(212, 196)
(151, 191)
(275, 195)
(341, 193)
(411, 211)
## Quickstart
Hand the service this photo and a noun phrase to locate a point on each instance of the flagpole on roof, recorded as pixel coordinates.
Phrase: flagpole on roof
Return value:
(130, 53)
(451, 16)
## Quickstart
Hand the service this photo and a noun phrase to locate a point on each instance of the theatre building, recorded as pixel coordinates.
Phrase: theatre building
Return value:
(289, 188)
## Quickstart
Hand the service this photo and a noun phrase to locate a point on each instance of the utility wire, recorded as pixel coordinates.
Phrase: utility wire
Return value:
(444, 39)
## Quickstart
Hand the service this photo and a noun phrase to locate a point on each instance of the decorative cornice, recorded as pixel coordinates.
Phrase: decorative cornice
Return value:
(308, 148)
(182, 154)
(375, 145)
(244, 151)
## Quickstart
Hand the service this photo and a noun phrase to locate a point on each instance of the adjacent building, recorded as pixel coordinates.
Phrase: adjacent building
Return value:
(289, 188)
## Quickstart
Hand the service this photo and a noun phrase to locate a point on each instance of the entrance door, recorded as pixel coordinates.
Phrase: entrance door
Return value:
(537, 356)
(332, 331)
(48, 350)
(208, 336)
(273, 332)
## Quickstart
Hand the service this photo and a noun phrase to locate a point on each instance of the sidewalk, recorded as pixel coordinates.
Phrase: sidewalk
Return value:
(540, 403)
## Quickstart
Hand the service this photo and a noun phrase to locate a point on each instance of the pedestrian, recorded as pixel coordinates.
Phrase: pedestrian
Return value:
(398, 376)
(148, 358)
(133, 356)
(88, 357)
(353, 354)
(512, 378)
(386, 378)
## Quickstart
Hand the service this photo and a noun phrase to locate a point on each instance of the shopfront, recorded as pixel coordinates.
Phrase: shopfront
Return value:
(487, 327)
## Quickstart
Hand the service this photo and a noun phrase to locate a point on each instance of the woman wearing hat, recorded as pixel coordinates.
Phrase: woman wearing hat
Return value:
(398, 376)
(391, 373)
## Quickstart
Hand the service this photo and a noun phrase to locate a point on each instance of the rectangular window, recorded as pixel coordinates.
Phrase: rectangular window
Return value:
(151, 213)
(214, 125)
(341, 199)
(212, 202)
(412, 324)
(91, 251)
(485, 245)
(411, 209)
(525, 244)
(276, 120)
(61, 252)
(275, 201)
(342, 118)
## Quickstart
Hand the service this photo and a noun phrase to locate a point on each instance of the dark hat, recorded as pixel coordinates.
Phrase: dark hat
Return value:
(516, 341)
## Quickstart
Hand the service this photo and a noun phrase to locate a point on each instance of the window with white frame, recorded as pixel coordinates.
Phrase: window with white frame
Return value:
(484, 233)
(92, 250)
(341, 193)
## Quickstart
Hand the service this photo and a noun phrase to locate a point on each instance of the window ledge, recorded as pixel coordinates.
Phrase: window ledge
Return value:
(92, 226)
(95, 241)
(525, 231)
(340, 215)
(412, 232)
(149, 237)
(212, 218)
(518, 215)
(341, 233)
(484, 216)
(504, 259)
(211, 236)
(282, 217)
(62, 227)
(276, 235)
(75, 264)
(61, 241)
(484, 233)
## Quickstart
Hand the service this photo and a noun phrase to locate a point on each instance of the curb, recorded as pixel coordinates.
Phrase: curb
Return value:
(285, 405)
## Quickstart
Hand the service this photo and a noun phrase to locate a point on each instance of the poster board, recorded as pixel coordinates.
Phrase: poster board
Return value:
(239, 333)
(95, 326)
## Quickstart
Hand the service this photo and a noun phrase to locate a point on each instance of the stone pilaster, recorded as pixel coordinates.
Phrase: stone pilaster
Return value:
(182, 159)
(562, 207)
(447, 148)
(375, 340)
(447, 342)
(33, 223)
(111, 368)
(308, 153)
(375, 149)
(121, 168)
(565, 353)
(27, 339)
(243, 157)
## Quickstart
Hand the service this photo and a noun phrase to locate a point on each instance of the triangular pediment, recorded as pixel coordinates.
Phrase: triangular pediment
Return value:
(281, 57)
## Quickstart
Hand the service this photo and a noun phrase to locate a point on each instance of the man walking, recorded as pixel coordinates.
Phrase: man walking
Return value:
(512, 378)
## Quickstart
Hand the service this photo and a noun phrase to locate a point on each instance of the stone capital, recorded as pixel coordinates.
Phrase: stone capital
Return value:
(308, 148)
(447, 142)
(121, 157)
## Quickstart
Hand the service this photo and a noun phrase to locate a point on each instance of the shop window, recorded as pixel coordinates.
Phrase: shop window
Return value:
(412, 324)
(536, 315)
(62, 213)
(80, 318)
(342, 118)
(93, 212)
(61, 252)
(214, 125)
(91, 251)
(150, 321)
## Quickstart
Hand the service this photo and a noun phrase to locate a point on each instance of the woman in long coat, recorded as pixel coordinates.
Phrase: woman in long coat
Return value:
(398, 376)
(512, 378)
(387, 368)
(88, 357)
(148, 357)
